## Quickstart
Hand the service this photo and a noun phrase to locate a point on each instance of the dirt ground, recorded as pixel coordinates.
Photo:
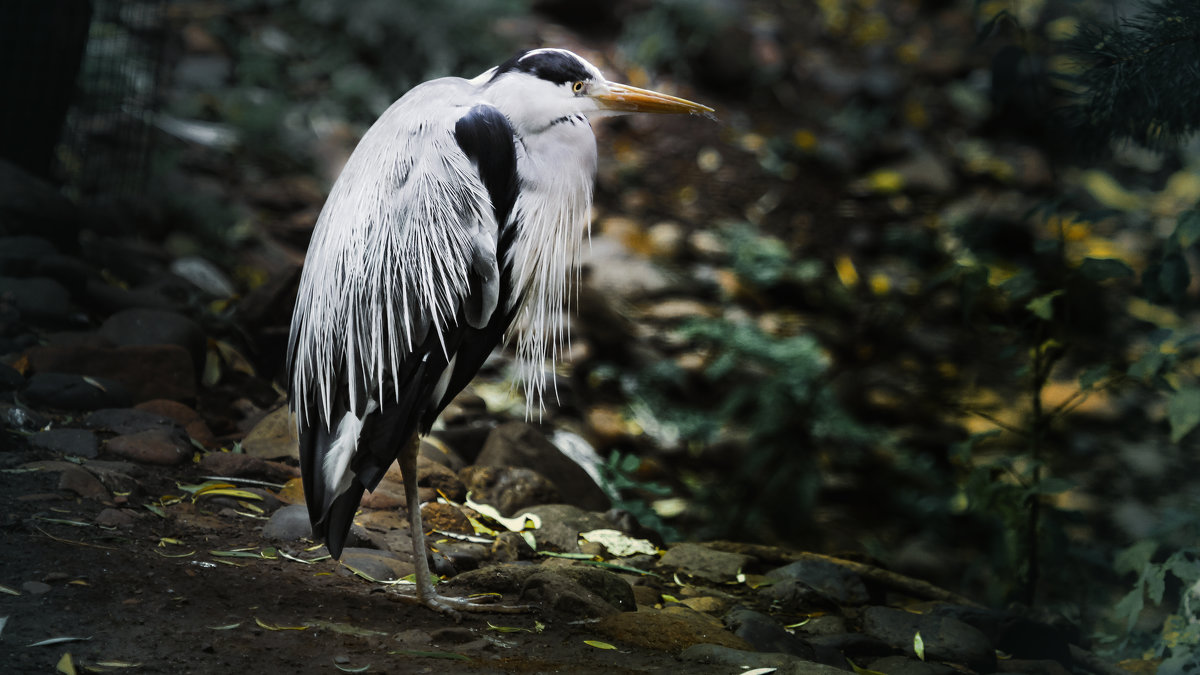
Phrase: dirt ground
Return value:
(137, 610)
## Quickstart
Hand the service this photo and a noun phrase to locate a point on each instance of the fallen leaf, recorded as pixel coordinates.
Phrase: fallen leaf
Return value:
(598, 644)
(618, 543)
(263, 624)
(66, 664)
(919, 646)
(58, 641)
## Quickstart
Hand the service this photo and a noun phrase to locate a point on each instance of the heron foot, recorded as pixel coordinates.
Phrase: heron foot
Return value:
(454, 607)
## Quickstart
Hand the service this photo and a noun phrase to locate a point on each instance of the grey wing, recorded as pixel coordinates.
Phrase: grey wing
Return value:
(402, 268)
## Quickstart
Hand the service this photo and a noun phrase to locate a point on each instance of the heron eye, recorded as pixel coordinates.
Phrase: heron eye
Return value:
(578, 87)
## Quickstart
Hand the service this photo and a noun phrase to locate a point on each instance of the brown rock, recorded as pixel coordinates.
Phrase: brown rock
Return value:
(83, 483)
(387, 495)
(523, 445)
(187, 418)
(147, 371)
(153, 446)
(431, 474)
(238, 465)
(274, 437)
(670, 630)
(119, 518)
(509, 489)
(445, 518)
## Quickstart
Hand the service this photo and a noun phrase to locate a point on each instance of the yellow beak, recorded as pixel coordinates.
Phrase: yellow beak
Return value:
(624, 98)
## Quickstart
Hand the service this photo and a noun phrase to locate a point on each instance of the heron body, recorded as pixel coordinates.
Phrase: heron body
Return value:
(460, 211)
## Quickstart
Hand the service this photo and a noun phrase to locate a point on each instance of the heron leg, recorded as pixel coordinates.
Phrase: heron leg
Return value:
(426, 594)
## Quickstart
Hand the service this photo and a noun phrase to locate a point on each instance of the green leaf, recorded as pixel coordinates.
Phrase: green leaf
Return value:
(1183, 412)
(1053, 486)
(1130, 607)
(1187, 229)
(1043, 305)
(1092, 375)
(1103, 269)
(1136, 557)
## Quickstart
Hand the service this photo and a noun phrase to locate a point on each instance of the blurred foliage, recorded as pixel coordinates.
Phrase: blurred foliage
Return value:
(777, 401)
(1124, 69)
(669, 35)
(618, 477)
(290, 77)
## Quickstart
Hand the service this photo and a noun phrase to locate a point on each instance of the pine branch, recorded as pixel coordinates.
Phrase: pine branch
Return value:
(1140, 79)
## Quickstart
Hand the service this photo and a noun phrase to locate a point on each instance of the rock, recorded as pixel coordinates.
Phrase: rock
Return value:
(445, 518)
(559, 593)
(669, 630)
(62, 391)
(20, 418)
(153, 446)
(793, 595)
(1031, 667)
(73, 442)
(561, 525)
(1022, 637)
(35, 587)
(40, 300)
(19, 254)
(523, 445)
(130, 420)
(147, 371)
(903, 665)
(156, 327)
(835, 582)
(378, 565)
(289, 523)
(237, 465)
(83, 483)
(765, 634)
(274, 437)
(11, 379)
(703, 562)
(387, 495)
(462, 555)
(509, 489)
(184, 416)
(946, 639)
(116, 476)
(609, 586)
(118, 518)
(439, 477)
(784, 664)
(511, 547)
(29, 205)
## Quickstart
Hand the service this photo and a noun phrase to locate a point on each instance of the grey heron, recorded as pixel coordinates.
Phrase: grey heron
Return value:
(454, 225)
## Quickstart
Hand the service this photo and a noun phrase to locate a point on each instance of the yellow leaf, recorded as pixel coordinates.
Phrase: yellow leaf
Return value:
(292, 492)
(66, 664)
(862, 671)
(230, 355)
(1106, 190)
(919, 646)
(846, 271)
(885, 181)
(229, 492)
(598, 644)
(1145, 311)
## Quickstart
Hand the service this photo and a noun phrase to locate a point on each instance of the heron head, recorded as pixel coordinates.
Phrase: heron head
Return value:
(537, 87)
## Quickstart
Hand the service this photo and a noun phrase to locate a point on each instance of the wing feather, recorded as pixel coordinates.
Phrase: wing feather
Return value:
(404, 272)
